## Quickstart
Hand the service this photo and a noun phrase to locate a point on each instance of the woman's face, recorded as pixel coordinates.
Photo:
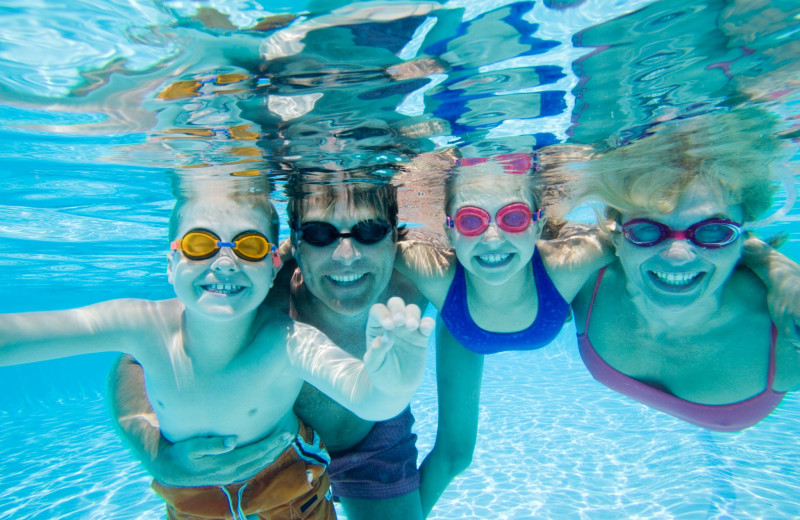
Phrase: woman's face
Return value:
(677, 272)
(495, 255)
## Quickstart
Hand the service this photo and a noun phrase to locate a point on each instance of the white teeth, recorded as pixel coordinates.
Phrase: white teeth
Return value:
(676, 279)
(346, 278)
(223, 288)
(494, 258)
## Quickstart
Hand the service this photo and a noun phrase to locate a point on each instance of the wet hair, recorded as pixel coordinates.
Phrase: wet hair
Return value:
(250, 192)
(538, 174)
(306, 192)
(734, 151)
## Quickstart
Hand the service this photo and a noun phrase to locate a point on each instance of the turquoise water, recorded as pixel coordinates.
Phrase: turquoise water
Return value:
(86, 141)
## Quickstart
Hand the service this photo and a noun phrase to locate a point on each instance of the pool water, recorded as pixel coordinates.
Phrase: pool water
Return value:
(88, 135)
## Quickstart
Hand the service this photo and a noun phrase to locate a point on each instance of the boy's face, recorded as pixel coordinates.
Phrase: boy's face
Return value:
(223, 286)
(346, 275)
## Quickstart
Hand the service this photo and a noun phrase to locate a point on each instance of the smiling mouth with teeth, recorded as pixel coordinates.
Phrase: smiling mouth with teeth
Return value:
(224, 288)
(345, 279)
(494, 259)
(677, 281)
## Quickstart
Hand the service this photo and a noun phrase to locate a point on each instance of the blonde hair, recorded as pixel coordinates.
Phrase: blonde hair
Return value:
(734, 151)
(541, 176)
(250, 192)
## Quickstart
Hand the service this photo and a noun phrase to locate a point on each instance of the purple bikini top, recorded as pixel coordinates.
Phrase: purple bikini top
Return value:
(719, 417)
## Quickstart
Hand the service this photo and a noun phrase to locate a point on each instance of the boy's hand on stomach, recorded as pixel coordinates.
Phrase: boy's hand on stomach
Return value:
(397, 343)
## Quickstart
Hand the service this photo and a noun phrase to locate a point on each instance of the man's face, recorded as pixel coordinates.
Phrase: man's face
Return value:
(346, 275)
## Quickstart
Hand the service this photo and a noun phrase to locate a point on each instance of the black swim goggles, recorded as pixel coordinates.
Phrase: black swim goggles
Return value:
(321, 234)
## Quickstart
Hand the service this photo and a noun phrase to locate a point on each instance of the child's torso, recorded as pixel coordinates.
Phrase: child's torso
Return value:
(249, 397)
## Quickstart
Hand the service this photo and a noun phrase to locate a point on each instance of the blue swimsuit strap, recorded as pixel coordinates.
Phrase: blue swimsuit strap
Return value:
(552, 311)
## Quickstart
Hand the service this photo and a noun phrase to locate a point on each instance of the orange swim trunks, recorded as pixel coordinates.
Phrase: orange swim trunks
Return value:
(294, 487)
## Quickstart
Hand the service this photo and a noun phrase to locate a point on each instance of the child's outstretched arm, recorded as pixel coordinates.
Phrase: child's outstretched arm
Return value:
(380, 386)
(116, 325)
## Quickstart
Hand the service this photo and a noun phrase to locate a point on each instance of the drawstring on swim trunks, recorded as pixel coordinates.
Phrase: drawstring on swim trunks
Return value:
(237, 514)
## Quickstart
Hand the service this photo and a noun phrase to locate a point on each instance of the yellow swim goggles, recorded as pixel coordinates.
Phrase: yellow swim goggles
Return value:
(201, 244)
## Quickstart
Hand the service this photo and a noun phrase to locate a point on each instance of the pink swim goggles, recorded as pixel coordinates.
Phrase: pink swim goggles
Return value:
(711, 233)
(472, 221)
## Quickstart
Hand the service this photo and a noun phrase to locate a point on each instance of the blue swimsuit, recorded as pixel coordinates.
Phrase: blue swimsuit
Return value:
(553, 311)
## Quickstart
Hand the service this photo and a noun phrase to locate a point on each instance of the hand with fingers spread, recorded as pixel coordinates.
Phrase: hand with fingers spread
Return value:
(215, 461)
(397, 341)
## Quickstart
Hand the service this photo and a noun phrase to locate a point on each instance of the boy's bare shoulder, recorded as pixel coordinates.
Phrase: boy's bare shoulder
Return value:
(137, 313)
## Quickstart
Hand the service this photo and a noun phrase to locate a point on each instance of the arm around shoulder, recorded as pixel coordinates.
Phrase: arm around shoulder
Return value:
(579, 251)
(781, 277)
(428, 262)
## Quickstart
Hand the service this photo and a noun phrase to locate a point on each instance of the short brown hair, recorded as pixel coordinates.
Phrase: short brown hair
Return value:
(252, 192)
(379, 195)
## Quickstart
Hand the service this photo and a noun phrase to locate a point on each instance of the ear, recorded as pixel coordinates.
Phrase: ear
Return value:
(541, 223)
(171, 260)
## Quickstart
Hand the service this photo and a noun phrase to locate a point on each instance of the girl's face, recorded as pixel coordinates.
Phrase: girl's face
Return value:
(495, 255)
(676, 272)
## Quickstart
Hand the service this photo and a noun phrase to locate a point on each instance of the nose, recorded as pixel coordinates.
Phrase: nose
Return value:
(679, 251)
(346, 253)
(224, 262)
(492, 233)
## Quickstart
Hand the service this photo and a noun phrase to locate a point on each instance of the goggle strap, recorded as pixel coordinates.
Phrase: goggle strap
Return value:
(276, 258)
(450, 222)
(175, 245)
(536, 216)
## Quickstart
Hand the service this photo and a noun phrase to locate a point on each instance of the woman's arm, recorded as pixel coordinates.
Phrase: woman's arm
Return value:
(458, 374)
(200, 461)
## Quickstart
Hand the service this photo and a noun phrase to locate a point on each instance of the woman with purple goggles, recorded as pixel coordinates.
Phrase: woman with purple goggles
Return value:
(673, 323)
